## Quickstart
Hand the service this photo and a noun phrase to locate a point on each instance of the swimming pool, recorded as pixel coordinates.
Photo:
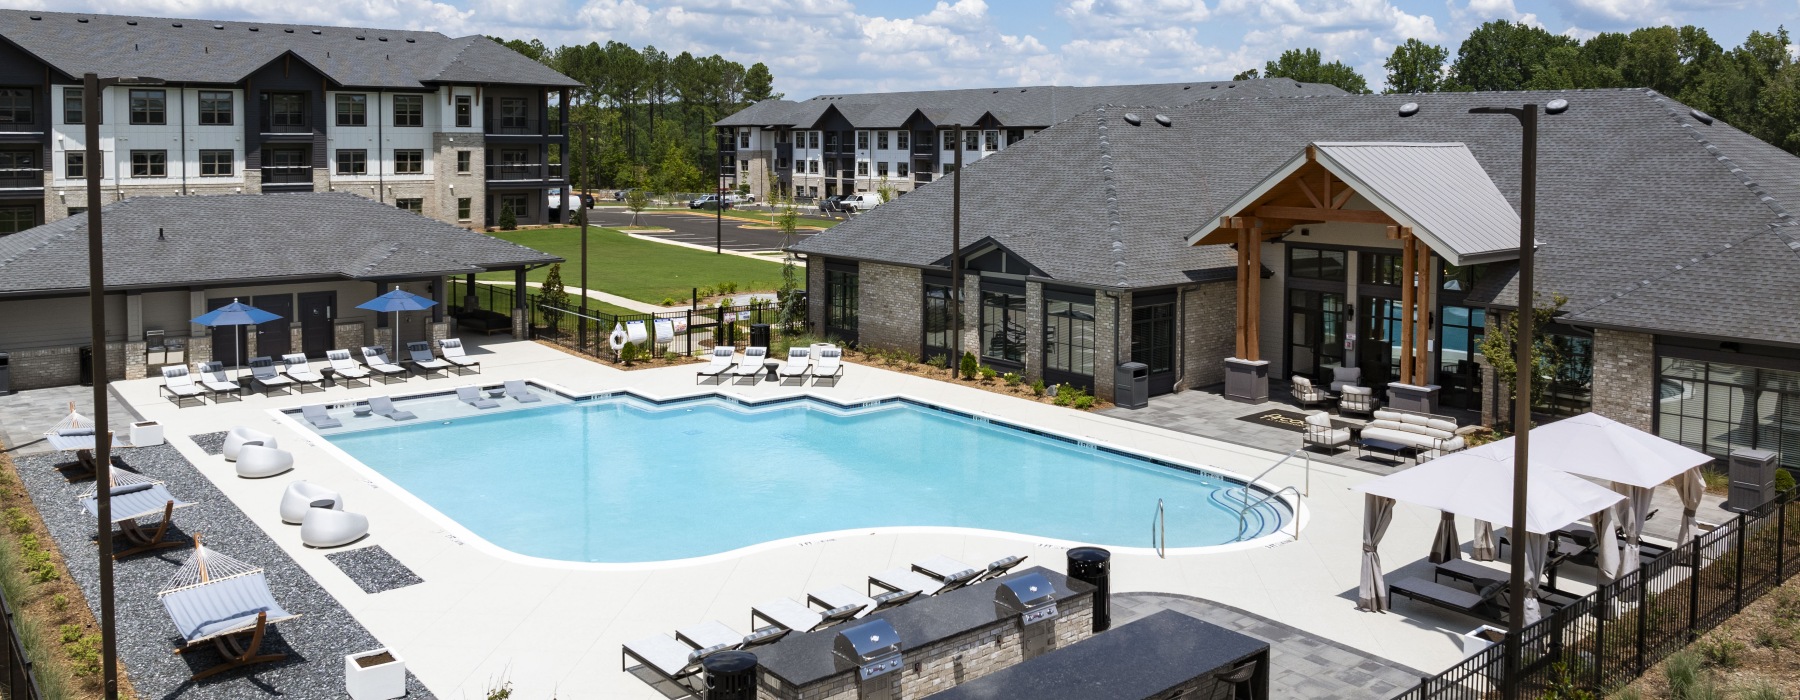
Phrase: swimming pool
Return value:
(624, 479)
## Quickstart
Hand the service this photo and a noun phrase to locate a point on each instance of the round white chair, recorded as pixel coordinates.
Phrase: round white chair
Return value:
(326, 527)
(241, 436)
(301, 495)
(259, 462)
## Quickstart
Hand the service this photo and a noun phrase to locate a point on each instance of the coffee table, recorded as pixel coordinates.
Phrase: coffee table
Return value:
(1393, 450)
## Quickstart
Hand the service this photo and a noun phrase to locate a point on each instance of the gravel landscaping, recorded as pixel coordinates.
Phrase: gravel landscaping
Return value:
(374, 569)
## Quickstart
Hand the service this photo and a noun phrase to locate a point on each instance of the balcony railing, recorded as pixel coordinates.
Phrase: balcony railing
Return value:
(287, 174)
(525, 171)
(509, 127)
(922, 178)
(16, 178)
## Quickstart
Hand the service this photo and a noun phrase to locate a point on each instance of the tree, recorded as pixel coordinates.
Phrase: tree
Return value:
(1309, 66)
(1502, 55)
(1549, 360)
(1251, 74)
(790, 304)
(1414, 67)
(885, 189)
(636, 200)
(759, 84)
(552, 297)
(509, 221)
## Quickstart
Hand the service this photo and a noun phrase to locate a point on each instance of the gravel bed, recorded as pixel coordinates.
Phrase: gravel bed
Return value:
(211, 443)
(315, 643)
(374, 569)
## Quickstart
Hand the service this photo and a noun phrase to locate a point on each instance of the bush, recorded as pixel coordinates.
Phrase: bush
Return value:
(1682, 671)
(906, 356)
(1037, 388)
(1084, 402)
(1784, 480)
(60, 602)
(668, 301)
(1723, 652)
(1065, 395)
(705, 292)
(17, 520)
(1012, 378)
(671, 356)
(987, 373)
(1771, 638)
(1761, 690)
(938, 361)
(969, 365)
(508, 220)
(1716, 481)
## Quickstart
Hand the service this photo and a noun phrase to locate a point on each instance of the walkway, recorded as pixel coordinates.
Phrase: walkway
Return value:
(25, 415)
(642, 307)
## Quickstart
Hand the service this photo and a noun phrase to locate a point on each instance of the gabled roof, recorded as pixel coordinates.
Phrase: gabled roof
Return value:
(221, 52)
(154, 242)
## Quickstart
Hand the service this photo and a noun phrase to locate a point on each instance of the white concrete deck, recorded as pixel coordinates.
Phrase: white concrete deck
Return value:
(479, 618)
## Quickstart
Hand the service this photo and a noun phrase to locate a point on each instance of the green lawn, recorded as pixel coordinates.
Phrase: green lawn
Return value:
(640, 269)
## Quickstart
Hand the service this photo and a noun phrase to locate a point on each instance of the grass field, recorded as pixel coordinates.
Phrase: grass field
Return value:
(639, 269)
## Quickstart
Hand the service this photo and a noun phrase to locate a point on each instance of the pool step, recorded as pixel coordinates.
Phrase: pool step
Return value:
(1263, 519)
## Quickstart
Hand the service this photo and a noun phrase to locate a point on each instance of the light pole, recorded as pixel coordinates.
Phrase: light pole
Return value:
(719, 198)
(581, 202)
(1521, 412)
(91, 85)
(956, 281)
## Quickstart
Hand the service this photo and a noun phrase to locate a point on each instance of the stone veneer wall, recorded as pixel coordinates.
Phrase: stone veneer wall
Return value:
(348, 335)
(1625, 376)
(1104, 333)
(971, 317)
(440, 202)
(815, 294)
(1208, 335)
(889, 306)
(1034, 331)
(61, 366)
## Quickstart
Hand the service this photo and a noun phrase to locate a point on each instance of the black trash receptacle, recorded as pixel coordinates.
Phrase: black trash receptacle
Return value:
(87, 365)
(730, 675)
(1093, 566)
(1131, 385)
(5, 374)
(759, 335)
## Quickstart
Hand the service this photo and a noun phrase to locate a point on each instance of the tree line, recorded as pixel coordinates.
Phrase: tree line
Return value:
(647, 116)
(1754, 86)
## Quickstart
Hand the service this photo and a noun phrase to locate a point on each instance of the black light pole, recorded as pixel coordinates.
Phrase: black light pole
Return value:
(1521, 413)
(91, 85)
(956, 277)
(719, 201)
(582, 203)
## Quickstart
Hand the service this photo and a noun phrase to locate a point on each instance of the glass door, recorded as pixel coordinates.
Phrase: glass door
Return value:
(1460, 331)
(938, 339)
(1378, 347)
(1315, 332)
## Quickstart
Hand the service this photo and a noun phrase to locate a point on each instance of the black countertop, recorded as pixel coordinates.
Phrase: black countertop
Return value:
(803, 658)
(1137, 660)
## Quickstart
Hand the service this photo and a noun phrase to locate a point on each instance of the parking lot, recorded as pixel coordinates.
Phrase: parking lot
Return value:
(699, 230)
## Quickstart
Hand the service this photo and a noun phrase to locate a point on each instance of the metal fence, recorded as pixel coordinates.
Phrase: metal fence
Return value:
(694, 328)
(1609, 638)
(21, 680)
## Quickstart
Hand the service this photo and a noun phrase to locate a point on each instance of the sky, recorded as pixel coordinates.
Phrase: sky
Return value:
(827, 46)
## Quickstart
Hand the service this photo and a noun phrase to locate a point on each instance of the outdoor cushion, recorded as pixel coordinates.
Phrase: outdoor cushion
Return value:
(1345, 376)
(1359, 390)
(221, 605)
(1448, 426)
(1388, 415)
(1320, 419)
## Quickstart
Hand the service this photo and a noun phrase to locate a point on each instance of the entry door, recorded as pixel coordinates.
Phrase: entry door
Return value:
(1315, 333)
(316, 309)
(227, 341)
(272, 338)
(1378, 352)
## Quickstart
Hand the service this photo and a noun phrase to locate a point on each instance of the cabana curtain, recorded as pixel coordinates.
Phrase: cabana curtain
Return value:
(1372, 590)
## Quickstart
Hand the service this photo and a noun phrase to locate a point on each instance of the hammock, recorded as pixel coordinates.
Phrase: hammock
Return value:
(206, 565)
(73, 420)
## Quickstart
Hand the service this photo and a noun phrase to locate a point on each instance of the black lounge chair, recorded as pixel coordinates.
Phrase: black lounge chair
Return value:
(1480, 604)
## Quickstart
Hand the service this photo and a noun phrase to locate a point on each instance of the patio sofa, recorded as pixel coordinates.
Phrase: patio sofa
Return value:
(1433, 435)
(484, 321)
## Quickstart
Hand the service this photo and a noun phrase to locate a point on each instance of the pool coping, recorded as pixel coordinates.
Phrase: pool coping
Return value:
(463, 535)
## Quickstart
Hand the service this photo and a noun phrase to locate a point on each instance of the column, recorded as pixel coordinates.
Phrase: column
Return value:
(470, 299)
(437, 295)
(1246, 374)
(521, 317)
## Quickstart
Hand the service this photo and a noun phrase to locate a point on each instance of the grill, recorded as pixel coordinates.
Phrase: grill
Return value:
(1033, 599)
(873, 649)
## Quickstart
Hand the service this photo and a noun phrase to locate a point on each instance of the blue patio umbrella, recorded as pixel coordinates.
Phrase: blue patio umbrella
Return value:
(397, 301)
(235, 314)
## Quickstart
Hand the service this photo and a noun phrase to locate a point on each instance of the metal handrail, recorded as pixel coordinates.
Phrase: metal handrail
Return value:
(1245, 489)
(1265, 499)
(1159, 531)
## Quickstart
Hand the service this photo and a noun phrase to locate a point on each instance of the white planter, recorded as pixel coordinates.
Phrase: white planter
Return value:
(1480, 638)
(146, 434)
(378, 682)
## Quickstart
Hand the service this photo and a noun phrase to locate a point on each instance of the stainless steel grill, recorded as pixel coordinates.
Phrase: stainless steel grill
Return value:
(872, 647)
(1030, 596)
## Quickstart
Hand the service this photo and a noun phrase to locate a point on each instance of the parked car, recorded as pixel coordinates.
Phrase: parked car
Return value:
(860, 202)
(555, 196)
(740, 198)
(830, 204)
(708, 201)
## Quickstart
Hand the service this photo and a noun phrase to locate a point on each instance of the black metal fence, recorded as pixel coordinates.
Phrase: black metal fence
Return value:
(1609, 638)
(693, 328)
(21, 681)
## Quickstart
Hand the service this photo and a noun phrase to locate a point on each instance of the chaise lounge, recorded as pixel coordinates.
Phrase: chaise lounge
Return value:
(452, 350)
(347, 369)
(384, 407)
(377, 360)
(721, 362)
(752, 365)
(264, 373)
(298, 369)
(179, 386)
(420, 352)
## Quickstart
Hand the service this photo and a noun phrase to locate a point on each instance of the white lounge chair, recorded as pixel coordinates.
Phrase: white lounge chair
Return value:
(794, 617)
(325, 527)
(384, 407)
(944, 568)
(452, 350)
(239, 436)
(752, 364)
(670, 658)
(376, 358)
(301, 495)
(215, 598)
(347, 369)
(516, 389)
(910, 580)
(316, 415)
(714, 633)
(472, 396)
(722, 361)
(841, 595)
(213, 377)
(264, 372)
(420, 352)
(259, 462)
(799, 363)
(301, 372)
(830, 366)
(179, 385)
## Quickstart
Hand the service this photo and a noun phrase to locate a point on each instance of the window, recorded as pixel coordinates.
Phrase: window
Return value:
(149, 106)
(287, 110)
(352, 110)
(812, 166)
(352, 161)
(901, 138)
(1461, 279)
(971, 140)
(831, 140)
(1069, 335)
(413, 204)
(75, 165)
(1315, 264)
(15, 106)
(1003, 325)
(464, 162)
(862, 140)
(812, 139)
(1716, 408)
(465, 111)
(881, 169)
(20, 169)
(991, 140)
(77, 211)
(840, 302)
(16, 219)
(949, 140)
(217, 163)
(149, 163)
(515, 203)
(900, 168)
(215, 108)
(949, 168)
(937, 319)
(512, 112)
(409, 110)
(1014, 136)
(1153, 336)
(73, 108)
(463, 206)
(743, 167)
(1380, 269)
(881, 140)
(409, 161)
(1571, 389)
(286, 166)
(781, 164)
(743, 138)
(862, 168)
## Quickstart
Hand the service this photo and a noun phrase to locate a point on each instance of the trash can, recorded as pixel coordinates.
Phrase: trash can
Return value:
(730, 675)
(759, 335)
(5, 374)
(1131, 385)
(1752, 479)
(1093, 566)
(87, 365)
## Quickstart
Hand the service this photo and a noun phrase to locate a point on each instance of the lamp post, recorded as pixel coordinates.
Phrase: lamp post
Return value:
(1521, 412)
(956, 276)
(91, 85)
(719, 198)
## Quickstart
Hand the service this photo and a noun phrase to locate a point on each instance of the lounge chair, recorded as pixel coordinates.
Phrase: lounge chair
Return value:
(301, 372)
(472, 396)
(239, 436)
(910, 580)
(420, 352)
(260, 462)
(794, 617)
(674, 660)
(212, 376)
(830, 366)
(799, 363)
(722, 362)
(384, 407)
(133, 501)
(752, 364)
(714, 633)
(1481, 604)
(840, 595)
(452, 350)
(215, 598)
(1305, 393)
(347, 369)
(1000, 567)
(946, 569)
(1320, 432)
(179, 386)
(316, 415)
(264, 372)
(376, 358)
(517, 391)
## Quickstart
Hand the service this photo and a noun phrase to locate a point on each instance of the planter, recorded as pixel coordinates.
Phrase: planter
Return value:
(374, 675)
(146, 434)
(1476, 640)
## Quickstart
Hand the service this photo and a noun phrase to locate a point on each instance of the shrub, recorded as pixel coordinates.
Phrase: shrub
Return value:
(508, 220)
(1084, 402)
(906, 356)
(1716, 481)
(1771, 638)
(1722, 651)
(1065, 395)
(17, 520)
(1626, 694)
(60, 602)
(938, 361)
(969, 365)
(1012, 378)
(671, 356)
(668, 301)
(1037, 388)
(1682, 671)
(1761, 690)
(987, 373)
(1784, 480)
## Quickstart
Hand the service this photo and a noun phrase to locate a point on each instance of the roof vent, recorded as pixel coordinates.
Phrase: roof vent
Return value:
(288, 31)
(1298, 85)
(1164, 120)
(362, 38)
(1133, 119)
(411, 40)
(1702, 116)
(82, 20)
(996, 92)
(176, 25)
(1233, 85)
(382, 38)
(1212, 87)
(256, 29)
(131, 22)
(37, 18)
(218, 26)
(1409, 109)
(315, 31)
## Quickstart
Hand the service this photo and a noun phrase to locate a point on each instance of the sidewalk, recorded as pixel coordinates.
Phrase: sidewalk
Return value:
(614, 299)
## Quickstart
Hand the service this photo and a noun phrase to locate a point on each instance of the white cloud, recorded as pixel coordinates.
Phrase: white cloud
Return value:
(1476, 12)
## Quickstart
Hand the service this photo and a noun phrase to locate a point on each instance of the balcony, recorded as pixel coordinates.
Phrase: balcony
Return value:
(510, 126)
(287, 178)
(21, 178)
(525, 172)
(921, 178)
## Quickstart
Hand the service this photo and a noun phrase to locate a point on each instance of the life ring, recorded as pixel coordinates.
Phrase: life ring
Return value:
(617, 339)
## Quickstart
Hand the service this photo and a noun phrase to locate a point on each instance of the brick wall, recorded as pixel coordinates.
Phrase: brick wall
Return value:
(1034, 331)
(1209, 334)
(347, 335)
(890, 306)
(1104, 333)
(1625, 376)
(815, 294)
(61, 366)
(440, 204)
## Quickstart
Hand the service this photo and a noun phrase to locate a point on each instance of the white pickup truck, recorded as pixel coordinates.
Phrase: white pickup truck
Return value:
(860, 202)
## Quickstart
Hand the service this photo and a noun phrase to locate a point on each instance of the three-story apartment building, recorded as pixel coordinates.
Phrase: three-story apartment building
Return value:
(456, 129)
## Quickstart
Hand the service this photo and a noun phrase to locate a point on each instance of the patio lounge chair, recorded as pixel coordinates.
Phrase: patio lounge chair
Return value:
(1345, 376)
(376, 358)
(830, 366)
(316, 415)
(752, 364)
(516, 389)
(1000, 567)
(721, 362)
(792, 616)
(799, 363)
(472, 396)
(713, 633)
(347, 369)
(301, 372)
(216, 598)
(944, 568)
(840, 595)
(133, 501)
(179, 386)
(1320, 433)
(1305, 393)
(670, 658)
(1358, 399)
(264, 372)
(910, 580)
(452, 350)
(1481, 604)
(384, 407)
(420, 352)
(212, 376)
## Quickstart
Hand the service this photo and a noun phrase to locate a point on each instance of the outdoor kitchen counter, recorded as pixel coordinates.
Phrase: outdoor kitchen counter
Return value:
(803, 658)
(1144, 659)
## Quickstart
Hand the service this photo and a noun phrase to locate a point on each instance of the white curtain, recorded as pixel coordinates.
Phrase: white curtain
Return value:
(1690, 485)
(1372, 590)
(1537, 552)
(1633, 510)
(1606, 549)
(1482, 549)
(1446, 546)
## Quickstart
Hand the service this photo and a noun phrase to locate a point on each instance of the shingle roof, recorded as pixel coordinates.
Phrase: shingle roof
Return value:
(1030, 106)
(295, 236)
(213, 51)
(1630, 186)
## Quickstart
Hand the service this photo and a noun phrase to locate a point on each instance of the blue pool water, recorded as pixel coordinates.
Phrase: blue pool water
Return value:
(620, 479)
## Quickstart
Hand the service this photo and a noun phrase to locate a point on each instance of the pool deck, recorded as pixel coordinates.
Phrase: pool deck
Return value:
(478, 619)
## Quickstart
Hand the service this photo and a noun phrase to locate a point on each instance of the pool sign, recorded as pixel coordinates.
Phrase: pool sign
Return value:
(665, 330)
(634, 331)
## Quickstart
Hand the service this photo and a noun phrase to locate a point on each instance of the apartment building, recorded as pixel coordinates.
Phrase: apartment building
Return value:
(844, 144)
(456, 129)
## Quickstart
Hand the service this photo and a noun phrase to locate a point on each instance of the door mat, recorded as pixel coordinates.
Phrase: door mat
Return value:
(1286, 420)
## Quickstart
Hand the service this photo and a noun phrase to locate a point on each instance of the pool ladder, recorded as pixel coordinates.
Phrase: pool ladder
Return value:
(1159, 532)
(1248, 504)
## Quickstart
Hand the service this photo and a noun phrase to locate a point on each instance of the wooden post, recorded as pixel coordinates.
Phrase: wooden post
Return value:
(1243, 295)
(1408, 305)
(1422, 343)
(1253, 333)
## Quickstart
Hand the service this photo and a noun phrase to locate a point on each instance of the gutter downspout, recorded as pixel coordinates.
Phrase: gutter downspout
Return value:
(1181, 337)
(381, 160)
(182, 95)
